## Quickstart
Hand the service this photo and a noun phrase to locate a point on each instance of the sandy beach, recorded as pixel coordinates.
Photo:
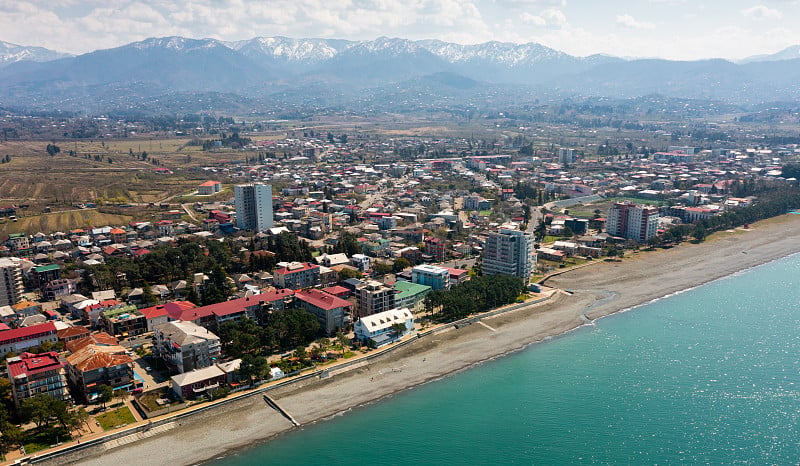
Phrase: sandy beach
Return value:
(594, 291)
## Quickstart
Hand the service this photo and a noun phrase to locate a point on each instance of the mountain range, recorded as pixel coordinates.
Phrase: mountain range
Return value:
(342, 73)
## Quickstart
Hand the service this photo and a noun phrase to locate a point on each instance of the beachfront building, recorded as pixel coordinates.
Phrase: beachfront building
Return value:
(185, 346)
(332, 312)
(11, 286)
(509, 252)
(31, 374)
(410, 295)
(382, 328)
(98, 360)
(198, 382)
(438, 278)
(373, 297)
(631, 221)
(253, 206)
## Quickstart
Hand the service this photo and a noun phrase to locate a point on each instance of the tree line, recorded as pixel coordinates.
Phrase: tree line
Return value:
(480, 294)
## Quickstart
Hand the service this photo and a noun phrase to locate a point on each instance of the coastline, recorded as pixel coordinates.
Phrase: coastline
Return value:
(598, 290)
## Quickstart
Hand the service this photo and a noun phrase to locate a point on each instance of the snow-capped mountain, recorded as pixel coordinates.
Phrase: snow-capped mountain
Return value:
(307, 69)
(292, 50)
(13, 53)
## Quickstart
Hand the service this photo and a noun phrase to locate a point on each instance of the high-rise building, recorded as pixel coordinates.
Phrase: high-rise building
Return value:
(509, 252)
(253, 206)
(11, 287)
(631, 221)
(373, 297)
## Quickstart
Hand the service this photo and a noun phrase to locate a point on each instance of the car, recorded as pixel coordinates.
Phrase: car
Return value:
(148, 368)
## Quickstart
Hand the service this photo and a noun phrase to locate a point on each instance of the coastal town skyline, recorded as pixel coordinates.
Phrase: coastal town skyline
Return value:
(713, 29)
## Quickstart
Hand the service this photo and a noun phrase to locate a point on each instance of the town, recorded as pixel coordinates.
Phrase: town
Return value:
(286, 248)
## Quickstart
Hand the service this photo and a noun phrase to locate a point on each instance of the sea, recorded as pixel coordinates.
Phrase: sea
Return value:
(710, 375)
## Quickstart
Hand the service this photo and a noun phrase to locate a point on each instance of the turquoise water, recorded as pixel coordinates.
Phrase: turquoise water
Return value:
(711, 376)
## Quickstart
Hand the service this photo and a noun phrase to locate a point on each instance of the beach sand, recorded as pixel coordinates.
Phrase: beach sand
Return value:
(597, 290)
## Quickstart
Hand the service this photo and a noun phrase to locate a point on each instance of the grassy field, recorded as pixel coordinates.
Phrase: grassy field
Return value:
(113, 419)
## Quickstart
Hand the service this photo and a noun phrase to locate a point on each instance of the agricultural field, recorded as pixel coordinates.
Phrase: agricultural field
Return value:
(37, 179)
(61, 221)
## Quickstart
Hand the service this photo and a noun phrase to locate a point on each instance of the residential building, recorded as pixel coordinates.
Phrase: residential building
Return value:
(185, 346)
(98, 360)
(11, 286)
(209, 187)
(361, 262)
(509, 252)
(44, 274)
(631, 221)
(20, 339)
(296, 275)
(76, 332)
(197, 382)
(410, 295)
(159, 314)
(373, 297)
(124, 322)
(58, 288)
(457, 275)
(438, 278)
(253, 206)
(333, 313)
(32, 374)
(378, 329)
(435, 247)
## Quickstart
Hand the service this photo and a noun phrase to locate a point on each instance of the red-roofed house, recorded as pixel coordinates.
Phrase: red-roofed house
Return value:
(332, 312)
(209, 187)
(91, 313)
(31, 374)
(457, 276)
(23, 338)
(338, 291)
(214, 315)
(160, 314)
(75, 332)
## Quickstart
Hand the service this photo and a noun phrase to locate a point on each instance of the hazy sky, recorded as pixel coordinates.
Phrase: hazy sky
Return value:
(677, 29)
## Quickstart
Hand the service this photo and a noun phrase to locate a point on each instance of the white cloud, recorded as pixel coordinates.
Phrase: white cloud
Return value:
(629, 21)
(762, 12)
(528, 18)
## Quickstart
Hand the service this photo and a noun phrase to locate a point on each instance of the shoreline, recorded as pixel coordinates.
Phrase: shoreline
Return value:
(599, 290)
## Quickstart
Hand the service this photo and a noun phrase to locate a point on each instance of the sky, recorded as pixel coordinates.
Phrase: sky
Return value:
(674, 29)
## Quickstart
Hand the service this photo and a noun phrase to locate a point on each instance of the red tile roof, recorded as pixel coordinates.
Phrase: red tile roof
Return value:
(224, 308)
(27, 333)
(321, 299)
(287, 270)
(164, 309)
(30, 364)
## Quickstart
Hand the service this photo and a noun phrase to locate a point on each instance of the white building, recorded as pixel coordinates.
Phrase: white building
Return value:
(11, 287)
(360, 261)
(509, 252)
(253, 206)
(378, 327)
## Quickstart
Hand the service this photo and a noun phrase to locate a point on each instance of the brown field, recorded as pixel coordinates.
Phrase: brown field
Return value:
(62, 221)
(33, 177)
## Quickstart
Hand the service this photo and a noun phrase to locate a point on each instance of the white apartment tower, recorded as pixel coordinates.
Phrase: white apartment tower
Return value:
(509, 252)
(253, 206)
(11, 287)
